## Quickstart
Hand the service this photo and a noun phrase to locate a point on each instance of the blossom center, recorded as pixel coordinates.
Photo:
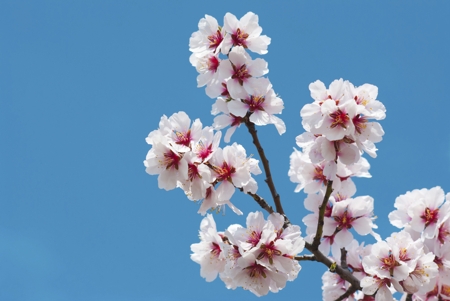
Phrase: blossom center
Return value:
(256, 270)
(203, 151)
(215, 250)
(193, 172)
(183, 138)
(430, 216)
(389, 263)
(215, 40)
(360, 123)
(255, 103)
(269, 251)
(339, 118)
(240, 73)
(225, 172)
(213, 63)
(319, 176)
(170, 160)
(344, 221)
(239, 38)
(254, 238)
(443, 233)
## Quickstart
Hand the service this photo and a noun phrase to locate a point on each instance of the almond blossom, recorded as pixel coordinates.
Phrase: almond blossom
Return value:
(244, 32)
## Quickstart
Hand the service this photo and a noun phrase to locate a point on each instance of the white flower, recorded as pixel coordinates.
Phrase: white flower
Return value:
(209, 251)
(208, 39)
(262, 103)
(238, 69)
(163, 160)
(244, 32)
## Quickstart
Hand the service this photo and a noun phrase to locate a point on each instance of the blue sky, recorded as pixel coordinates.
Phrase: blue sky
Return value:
(82, 83)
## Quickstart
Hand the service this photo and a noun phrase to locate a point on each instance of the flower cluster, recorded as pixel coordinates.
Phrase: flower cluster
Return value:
(341, 125)
(338, 132)
(236, 81)
(258, 258)
(188, 156)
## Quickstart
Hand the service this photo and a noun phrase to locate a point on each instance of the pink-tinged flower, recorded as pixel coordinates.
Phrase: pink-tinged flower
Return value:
(225, 119)
(333, 286)
(311, 113)
(211, 201)
(400, 218)
(232, 169)
(165, 161)
(199, 178)
(248, 238)
(394, 258)
(380, 286)
(218, 88)
(354, 213)
(207, 66)
(208, 39)
(439, 292)
(441, 258)
(337, 120)
(428, 211)
(238, 69)
(366, 133)
(182, 134)
(365, 96)
(324, 149)
(423, 275)
(207, 144)
(244, 32)
(257, 278)
(209, 252)
(262, 103)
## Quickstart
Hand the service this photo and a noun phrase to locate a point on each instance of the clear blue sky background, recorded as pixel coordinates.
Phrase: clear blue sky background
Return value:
(82, 83)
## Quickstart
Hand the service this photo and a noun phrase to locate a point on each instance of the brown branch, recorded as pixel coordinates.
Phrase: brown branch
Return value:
(261, 202)
(305, 258)
(347, 294)
(320, 222)
(409, 297)
(344, 258)
(276, 197)
(343, 273)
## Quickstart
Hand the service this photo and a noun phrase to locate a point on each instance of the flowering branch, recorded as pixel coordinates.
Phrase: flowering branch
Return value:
(345, 274)
(261, 202)
(276, 197)
(320, 223)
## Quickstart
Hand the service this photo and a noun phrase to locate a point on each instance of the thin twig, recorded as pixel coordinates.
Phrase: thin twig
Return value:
(305, 258)
(347, 294)
(320, 222)
(344, 258)
(276, 197)
(261, 202)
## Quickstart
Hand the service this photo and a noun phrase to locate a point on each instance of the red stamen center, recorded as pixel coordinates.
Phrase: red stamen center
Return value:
(225, 172)
(183, 138)
(171, 160)
(339, 119)
(255, 103)
(239, 38)
(256, 270)
(269, 251)
(240, 73)
(215, 40)
(430, 216)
